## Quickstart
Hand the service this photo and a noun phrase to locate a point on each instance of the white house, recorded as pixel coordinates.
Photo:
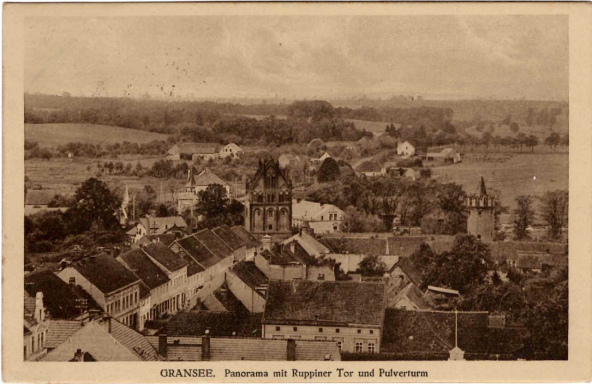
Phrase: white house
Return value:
(405, 149)
(231, 150)
(322, 218)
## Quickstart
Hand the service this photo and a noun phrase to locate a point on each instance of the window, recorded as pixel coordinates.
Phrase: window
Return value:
(321, 330)
(322, 218)
(337, 330)
(277, 328)
(321, 276)
(359, 331)
(270, 213)
(371, 348)
(295, 329)
(339, 344)
(359, 346)
(371, 332)
(270, 227)
(72, 280)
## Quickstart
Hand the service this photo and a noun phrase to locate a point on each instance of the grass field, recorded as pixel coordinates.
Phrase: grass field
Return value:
(512, 175)
(52, 135)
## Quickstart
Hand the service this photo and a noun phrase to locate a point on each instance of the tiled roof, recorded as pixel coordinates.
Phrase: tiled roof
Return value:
(133, 340)
(226, 298)
(59, 298)
(234, 349)
(279, 258)
(363, 246)
(139, 263)
(105, 273)
(405, 245)
(59, 331)
(413, 294)
(248, 272)
(311, 245)
(316, 350)
(144, 290)
(247, 237)
(159, 225)
(213, 243)
(195, 323)
(228, 237)
(211, 303)
(198, 252)
(409, 269)
(29, 308)
(39, 197)
(206, 177)
(194, 268)
(311, 302)
(165, 238)
(164, 256)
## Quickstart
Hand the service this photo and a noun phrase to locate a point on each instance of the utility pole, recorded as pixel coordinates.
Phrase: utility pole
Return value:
(134, 208)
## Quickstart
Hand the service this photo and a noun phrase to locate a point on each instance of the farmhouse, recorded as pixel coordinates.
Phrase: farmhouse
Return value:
(153, 226)
(447, 155)
(370, 168)
(405, 149)
(350, 314)
(231, 150)
(193, 151)
(322, 218)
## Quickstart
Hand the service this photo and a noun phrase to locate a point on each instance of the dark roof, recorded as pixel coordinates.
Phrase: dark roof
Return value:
(327, 302)
(60, 299)
(195, 323)
(246, 236)
(529, 262)
(139, 263)
(144, 290)
(105, 273)
(369, 166)
(198, 252)
(213, 243)
(39, 196)
(59, 331)
(365, 246)
(232, 304)
(228, 237)
(248, 272)
(481, 190)
(165, 256)
(133, 341)
(165, 238)
(412, 293)
(405, 245)
(427, 331)
(194, 268)
(409, 269)
(279, 258)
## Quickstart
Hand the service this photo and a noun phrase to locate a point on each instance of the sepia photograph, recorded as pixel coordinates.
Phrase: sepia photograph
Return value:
(295, 187)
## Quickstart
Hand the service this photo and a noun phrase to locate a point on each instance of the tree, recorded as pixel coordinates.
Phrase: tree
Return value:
(553, 140)
(451, 200)
(329, 171)
(524, 216)
(531, 141)
(355, 221)
(371, 266)
(215, 208)
(554, 210)
(96, 207)
(421, 202)
(530, 116)
(391, 194)
(514, 127)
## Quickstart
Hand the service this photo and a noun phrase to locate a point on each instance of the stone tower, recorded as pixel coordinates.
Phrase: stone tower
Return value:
(268, 205)
(481, 222)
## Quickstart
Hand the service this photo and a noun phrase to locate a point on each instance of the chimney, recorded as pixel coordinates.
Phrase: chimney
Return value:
(107, 322)
(79, 356)
(205, 348)
(39, 310)
(293, 247)
(162, 345)
(266, 242)
(291, 350)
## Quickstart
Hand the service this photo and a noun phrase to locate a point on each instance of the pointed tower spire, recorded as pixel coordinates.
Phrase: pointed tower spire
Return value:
(481, 191)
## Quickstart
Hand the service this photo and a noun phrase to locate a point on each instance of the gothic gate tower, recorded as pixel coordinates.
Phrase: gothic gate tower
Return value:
(481, 222)
(268, 205)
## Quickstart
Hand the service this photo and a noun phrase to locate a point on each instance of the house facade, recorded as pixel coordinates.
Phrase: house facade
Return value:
(196, 183)
(322, 218)
(231, 150)
(405, 149)
(193, 151)
(35, 327)
(152, 226)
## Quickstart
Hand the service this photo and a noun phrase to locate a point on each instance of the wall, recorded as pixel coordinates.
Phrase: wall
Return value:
(96, 294)
(325, 226)
(481, 223)
(348, 336)
(250, 299)
(313, 272)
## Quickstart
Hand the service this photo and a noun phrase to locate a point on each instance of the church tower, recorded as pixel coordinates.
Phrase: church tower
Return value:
(268, 205)
(481, 216)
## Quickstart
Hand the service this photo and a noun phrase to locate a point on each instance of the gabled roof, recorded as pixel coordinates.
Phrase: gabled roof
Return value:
(481, 190)
(404, 246)
(261, 170)
(29, 309)
(228, 300)
(138, 262)
(213, 243)
(164, 256)
(133, 340)
(159, 225)
(228, 237)
(324, 303)
(356, 245)
(207, 177)
(412, 293)
(39, 196)
(193, 148)
(409, 269)
(369, 166)
(165, 238)
(248, 272)
(198, 252)
(311, 245)
(59, 331)
(246, 236)
(194, 268)
(443, 290)
(279, 258)
(309, 210)
(60, 299)
(105, 273)
(529, 262)
(195, 323)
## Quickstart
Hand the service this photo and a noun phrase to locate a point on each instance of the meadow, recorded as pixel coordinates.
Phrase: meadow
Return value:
(52, 135)
(510, 174)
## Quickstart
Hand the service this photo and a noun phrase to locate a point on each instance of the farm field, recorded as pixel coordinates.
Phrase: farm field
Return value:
(52, 135)
(512, 175)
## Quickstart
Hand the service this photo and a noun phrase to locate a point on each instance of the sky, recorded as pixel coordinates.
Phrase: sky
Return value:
(437, 57)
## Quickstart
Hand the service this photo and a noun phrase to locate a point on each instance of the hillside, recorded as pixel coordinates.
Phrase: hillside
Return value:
(52, 135)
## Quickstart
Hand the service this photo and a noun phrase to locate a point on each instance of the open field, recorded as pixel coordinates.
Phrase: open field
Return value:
(504, 131)
(52, 135)
(512, 175)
